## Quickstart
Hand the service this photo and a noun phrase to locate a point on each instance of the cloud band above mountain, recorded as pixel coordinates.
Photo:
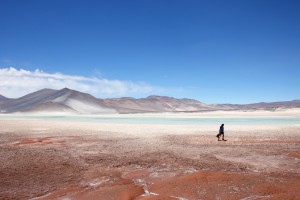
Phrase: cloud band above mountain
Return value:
(18, 82)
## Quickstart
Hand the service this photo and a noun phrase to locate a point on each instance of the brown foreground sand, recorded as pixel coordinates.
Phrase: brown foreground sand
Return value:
(84, 160)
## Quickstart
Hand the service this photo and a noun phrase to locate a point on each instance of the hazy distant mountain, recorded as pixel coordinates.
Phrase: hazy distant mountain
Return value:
(64, 100)
(264, 105)
(3, 98)
(156, 104)
(71, 101)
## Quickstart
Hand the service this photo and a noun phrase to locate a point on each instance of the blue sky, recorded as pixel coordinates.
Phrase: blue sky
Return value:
(214, 51)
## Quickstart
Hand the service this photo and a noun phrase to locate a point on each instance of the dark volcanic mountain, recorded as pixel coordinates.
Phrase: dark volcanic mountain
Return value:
(71, 101)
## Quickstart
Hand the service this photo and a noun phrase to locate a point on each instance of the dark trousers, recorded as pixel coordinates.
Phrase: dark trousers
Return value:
(221, 133)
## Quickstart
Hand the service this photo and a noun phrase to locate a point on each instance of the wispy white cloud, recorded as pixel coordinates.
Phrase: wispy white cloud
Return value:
(18, 82)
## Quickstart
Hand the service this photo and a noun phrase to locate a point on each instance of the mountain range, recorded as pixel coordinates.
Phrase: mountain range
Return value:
(72, 101)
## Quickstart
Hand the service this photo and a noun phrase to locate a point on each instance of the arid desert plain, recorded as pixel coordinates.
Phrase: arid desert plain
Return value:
(54, 159)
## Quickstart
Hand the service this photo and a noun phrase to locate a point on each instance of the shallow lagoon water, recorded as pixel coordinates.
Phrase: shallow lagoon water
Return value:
(164, 120)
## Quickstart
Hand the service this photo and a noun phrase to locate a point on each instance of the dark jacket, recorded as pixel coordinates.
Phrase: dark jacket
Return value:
(221, 129)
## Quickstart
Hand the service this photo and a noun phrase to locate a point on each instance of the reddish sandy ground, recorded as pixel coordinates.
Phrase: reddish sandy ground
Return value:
(68, 160)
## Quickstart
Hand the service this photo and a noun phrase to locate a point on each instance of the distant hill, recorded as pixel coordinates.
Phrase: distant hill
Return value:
(72, 101)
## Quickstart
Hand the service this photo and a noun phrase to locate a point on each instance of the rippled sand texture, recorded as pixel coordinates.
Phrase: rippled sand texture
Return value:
(66, 160)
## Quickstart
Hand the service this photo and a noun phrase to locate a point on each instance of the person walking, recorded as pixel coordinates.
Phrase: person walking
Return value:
(221, 132)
